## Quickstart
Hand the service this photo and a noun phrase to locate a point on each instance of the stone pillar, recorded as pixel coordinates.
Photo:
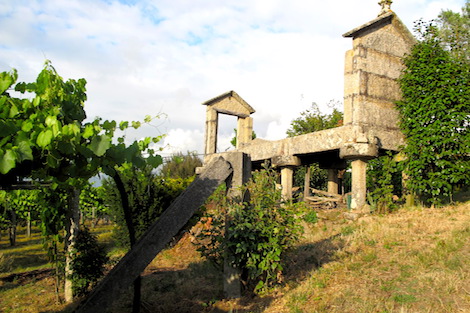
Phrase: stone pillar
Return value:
(244, 131)
(287, 176)
(359, 189)
(212, 120)
(307, 182)
(241, 165)
(333, 181)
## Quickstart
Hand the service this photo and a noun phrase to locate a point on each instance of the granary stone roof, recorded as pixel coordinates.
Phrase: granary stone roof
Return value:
(379, 22)
(230, 103)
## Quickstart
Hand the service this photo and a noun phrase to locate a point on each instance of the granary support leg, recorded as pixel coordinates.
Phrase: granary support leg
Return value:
(241, 164)
(358, 188)
(333, 181)
(287, 177)
(307, 182)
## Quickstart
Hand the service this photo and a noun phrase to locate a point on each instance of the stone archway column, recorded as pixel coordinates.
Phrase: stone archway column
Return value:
(211, 131)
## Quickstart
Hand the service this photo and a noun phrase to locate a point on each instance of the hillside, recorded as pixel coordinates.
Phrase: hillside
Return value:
(414, 260)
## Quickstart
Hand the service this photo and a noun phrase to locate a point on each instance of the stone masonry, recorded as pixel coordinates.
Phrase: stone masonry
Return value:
(372, 67)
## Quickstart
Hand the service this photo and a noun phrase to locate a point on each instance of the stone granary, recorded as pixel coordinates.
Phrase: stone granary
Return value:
(370, 126)
(372, 68)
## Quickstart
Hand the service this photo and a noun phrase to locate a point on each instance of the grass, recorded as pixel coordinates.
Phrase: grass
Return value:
(414, 260)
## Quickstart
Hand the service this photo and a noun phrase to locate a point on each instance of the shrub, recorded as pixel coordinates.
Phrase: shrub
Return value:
(255, 233)
(87, 263)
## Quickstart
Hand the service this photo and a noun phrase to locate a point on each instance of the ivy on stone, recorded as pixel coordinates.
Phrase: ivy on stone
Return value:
(435, 119)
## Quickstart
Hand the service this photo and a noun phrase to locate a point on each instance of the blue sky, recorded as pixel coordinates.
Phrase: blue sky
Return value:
(166, 57)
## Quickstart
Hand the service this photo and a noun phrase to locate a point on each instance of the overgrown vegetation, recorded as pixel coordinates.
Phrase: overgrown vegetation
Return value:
(312, 120)
(434, 114)
(384, 183)
(149, 195)
(88, 264)
(256, 232)
(181, 165)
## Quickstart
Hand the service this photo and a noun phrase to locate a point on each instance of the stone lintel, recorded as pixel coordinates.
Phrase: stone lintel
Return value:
(285, 160)
(338, 164)
(362, 150)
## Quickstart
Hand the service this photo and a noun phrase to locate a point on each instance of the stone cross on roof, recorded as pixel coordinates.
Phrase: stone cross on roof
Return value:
(385, 4)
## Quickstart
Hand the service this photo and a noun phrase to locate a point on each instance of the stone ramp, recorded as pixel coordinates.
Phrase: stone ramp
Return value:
(157, 237)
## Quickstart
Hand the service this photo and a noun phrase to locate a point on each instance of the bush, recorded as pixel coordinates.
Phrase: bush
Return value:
(255, 233)
(87, 263)
(384, 183)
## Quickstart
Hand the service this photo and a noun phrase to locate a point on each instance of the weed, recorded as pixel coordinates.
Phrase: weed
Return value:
(404, 298)
(347, 230)
(369, 257)
(6, 263)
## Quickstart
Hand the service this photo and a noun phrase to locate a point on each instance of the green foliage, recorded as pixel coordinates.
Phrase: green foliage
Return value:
(453, 30)
(47, 138)
(92, 200)
(181, 166)
(312, 120)
(434, 114)
(88, 262)
(149, 195)
(26, 204)
(255, 233)
(233, 142)
(318, 176)
(384, 182)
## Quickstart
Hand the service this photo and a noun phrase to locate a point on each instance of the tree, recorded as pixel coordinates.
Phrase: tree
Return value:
(312, 120)
(435, 118)
(453, 30)
(46, 139)
(148, 194)
(181, 166)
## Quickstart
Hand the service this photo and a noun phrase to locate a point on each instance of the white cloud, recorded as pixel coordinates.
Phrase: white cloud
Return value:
(168, 56)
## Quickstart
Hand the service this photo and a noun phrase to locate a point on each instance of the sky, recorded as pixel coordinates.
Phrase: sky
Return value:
(166, 57)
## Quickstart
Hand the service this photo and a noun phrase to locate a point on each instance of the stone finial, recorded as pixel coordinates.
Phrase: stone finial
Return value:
(386, 6)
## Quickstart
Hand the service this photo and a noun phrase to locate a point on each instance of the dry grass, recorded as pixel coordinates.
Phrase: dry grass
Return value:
(414, 260)
(410, 261)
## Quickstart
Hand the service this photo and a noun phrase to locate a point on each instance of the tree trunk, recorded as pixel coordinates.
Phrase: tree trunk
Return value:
(93, 217)
(28, 225)
(12, 228)
(132, 238)
(72, 226)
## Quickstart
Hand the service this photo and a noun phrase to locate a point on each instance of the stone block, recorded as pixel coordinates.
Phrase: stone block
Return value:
(355, 150)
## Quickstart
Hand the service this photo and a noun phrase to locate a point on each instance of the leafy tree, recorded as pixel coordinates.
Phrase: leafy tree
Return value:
(181, 166)
(18, 207)
(47, 139)
(312, 120)
(92, 203)
(149, 195)
(435, 113)
(453, 30)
